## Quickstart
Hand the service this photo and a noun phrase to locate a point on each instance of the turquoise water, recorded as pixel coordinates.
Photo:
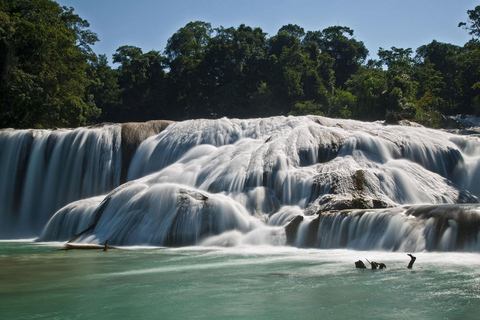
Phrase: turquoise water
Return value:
(233, 283)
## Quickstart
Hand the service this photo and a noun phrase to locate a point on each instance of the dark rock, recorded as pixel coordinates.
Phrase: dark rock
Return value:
(392, 117)
(292, 228)
(360, 265)
(349, 204)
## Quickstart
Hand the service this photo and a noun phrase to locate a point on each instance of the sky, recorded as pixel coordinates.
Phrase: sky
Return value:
(148, 24)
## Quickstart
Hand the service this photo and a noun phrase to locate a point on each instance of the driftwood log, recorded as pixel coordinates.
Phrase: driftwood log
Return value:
(379, 265)
(69, 246)
(412, 261)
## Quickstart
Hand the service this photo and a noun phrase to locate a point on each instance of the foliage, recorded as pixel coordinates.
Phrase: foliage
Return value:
(141, 77)
(103, 87)
(348, 54)
(44, 49)
(401, 85)
(368, 86)
(49, 75)
(473, 25)
(307, 107)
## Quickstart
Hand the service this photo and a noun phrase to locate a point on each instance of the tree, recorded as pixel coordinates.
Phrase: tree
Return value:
(185, 51)
(469, 65)
(429, 103)
(467, 78)
(234, 61)
(103, 88)
(293, 30)
(300, 76)
(285, 68)
(401, 84)
(368, 85)
(322, 67)
(473, 25)
(44, 50)
(142, 79)
(348, 53)
(443, 58)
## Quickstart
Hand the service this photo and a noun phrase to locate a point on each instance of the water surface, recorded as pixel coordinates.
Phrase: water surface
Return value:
(233, 283)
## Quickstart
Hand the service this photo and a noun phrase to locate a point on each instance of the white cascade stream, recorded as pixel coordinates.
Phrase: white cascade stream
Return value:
(232, 182)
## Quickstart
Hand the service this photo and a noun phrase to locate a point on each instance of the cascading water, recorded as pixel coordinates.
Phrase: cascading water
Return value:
(307, 181)
(43, 170)
(411, 228)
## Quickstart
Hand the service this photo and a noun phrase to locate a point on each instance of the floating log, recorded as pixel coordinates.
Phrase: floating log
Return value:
(69, 246)
(375, 265)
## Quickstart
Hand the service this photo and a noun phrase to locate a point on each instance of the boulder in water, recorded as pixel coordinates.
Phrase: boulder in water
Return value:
(360, 265)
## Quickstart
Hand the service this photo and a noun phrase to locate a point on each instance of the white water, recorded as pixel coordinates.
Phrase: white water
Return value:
(407, 229)
(229, 182)
(43, 170)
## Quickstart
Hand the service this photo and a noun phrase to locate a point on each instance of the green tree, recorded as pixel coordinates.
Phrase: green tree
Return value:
(469, 65)
(368, 86)
(44, 50)
(299, 76)
(468, 78)
(142, 79)
(306, 108)
(233, 62)
(401, 83)
(473, 25)
(103, 88)
(185, 52)
(429, 103)
(348, 53)
(442, 57)
(319, 79)
(293, 30)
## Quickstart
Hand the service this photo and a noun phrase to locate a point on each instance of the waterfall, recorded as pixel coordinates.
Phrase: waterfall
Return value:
(43, 170)
(406, 228)
(307, 181)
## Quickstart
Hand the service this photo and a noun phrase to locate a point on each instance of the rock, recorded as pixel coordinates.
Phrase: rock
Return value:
(292, 228)
(360, 265)
(133, 134)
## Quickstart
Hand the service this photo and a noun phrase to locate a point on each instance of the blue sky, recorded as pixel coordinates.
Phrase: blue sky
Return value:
(378, 23)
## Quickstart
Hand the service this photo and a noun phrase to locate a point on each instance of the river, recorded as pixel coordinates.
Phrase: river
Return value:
(248, 282)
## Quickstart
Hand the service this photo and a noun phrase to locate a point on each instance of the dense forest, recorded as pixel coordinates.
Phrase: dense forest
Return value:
(50, 76)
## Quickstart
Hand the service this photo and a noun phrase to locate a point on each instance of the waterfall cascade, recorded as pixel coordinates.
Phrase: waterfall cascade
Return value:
(307, 181)
(44, 170)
